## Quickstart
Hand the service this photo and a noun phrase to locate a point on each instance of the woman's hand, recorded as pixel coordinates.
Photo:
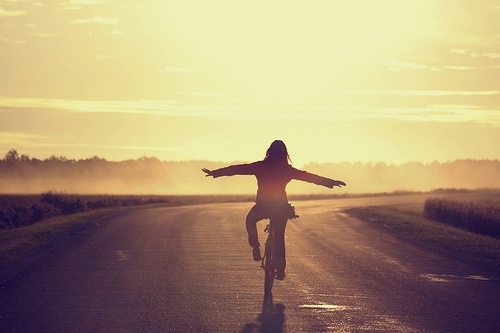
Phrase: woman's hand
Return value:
(339, 183)
(208, 172)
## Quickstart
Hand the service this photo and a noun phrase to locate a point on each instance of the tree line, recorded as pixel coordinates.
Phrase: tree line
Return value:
(20, 173)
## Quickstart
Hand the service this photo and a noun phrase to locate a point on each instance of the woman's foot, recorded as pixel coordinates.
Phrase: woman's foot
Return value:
(256, 253)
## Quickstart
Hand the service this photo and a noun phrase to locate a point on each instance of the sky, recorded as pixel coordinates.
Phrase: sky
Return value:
(361, 80)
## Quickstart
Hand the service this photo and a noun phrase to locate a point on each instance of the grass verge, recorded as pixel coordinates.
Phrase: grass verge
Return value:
(18, 244)
(412, 226)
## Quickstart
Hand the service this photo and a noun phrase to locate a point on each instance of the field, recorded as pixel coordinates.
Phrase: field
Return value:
(460, 223)
(475, 216)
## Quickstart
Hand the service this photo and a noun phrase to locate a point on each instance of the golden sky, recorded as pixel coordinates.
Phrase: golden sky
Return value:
(360, 80)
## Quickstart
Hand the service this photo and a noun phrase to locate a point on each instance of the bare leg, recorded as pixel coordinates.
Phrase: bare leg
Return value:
(253, 216)
(279, 243)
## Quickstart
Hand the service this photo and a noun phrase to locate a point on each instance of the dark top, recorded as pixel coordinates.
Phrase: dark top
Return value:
(272, 179)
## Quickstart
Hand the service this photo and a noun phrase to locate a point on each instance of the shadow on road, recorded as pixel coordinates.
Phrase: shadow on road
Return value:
(271, 319)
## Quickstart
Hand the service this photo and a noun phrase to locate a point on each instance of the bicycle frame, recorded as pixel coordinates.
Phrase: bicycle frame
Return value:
(269, 260)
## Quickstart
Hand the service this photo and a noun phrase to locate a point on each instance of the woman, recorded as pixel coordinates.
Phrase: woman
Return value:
(273, 174)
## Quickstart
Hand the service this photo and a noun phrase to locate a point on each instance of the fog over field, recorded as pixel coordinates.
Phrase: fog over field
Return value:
(149, 175)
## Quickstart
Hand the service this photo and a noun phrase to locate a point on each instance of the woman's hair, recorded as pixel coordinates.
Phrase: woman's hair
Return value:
(277, 153)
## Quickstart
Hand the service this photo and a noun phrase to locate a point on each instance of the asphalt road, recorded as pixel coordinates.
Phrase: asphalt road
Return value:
(189, 269)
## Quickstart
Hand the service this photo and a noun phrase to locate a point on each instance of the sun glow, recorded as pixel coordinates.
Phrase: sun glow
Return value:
(337, 80)
(293, 50)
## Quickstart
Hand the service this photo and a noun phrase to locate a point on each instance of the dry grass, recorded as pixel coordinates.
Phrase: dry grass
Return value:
(413, 226)
(477, 216)
(23, 210)
(15, 244)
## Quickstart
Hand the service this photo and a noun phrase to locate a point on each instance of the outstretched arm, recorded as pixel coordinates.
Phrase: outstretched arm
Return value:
(338, 183)
(331, 183)
(208, 172)
(316, 179)
(238, 169)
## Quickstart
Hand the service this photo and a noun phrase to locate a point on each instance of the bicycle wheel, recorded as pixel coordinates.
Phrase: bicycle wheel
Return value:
(268, 264)
(268, 280)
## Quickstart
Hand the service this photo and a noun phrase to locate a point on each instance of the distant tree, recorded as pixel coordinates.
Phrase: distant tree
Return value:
(55, 158)
(25, 158)
(12, 156)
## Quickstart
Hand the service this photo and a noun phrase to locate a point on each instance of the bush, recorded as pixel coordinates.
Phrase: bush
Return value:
(18, 216)
(66, 203)
(4, 224)
(479, 217)
(41, 211)
(17, 211)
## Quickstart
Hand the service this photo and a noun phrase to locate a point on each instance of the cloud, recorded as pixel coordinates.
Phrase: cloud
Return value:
(46, 35)
(394, 65)
(491, 55)
(14, 139)
(10, 13)
(459, 51)
(451, 114)
(78, 4)
(442, 113)
(461, 68)
(178, 70)
(149, 107)
(472, 54)
(104, 57)
(86, 2)
(11, 140)
(96, 20)
(7, 40)
(423, 105)
(398, 66)
(200, 94)
(418, 92)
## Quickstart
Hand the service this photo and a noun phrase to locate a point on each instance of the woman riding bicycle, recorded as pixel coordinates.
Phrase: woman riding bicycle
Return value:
(273, 174)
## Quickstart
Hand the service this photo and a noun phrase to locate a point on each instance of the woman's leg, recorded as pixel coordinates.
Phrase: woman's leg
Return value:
(279, 246)
(254, 215)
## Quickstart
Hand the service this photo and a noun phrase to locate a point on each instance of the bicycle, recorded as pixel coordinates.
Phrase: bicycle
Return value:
(269, 259)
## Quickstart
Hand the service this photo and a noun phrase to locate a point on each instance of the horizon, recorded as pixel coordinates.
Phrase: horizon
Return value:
(153, 176)
(391, 81)
(370, 162)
